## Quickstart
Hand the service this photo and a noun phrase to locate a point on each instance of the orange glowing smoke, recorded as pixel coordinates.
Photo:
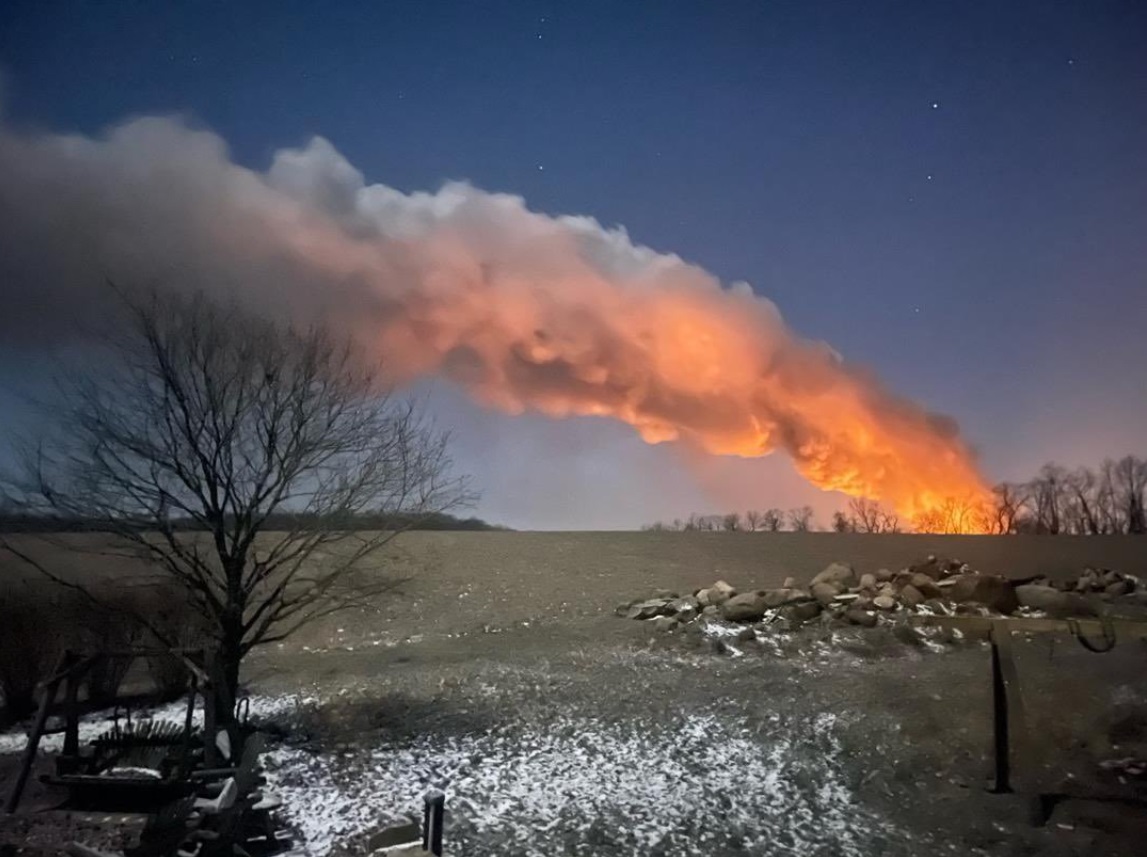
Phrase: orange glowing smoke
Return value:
(557, 315)
(525, 311)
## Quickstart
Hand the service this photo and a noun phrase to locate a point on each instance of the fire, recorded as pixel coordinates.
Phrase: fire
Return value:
(525, 311)
(559, 316)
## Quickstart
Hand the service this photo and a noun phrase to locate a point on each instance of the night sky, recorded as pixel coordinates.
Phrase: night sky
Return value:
(952, 194)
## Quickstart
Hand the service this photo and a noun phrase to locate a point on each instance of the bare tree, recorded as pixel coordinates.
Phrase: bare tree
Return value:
(1129, 484)
(841, 523)
(868, 516)
(204, 425)
(1048, 498)
(772, 520)
(731, 522)
(1010, 500)
(800, 519)
(753, 520)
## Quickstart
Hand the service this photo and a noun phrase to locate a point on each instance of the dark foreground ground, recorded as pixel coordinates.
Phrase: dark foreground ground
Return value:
(502, 676)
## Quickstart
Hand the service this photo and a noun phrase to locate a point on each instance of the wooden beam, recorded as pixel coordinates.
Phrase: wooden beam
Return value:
(982, 626)
(49, 697)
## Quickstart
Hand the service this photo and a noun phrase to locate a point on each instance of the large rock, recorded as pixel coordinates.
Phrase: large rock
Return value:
(777, 597)
(662, 623)
(1053, 602)
(648, 609)
(912, 596)
(806, 611)
(1120, 587)
(838, 574)
(825, 592)
(748, 607)
(996, 593)
(884, 602)
(931, 567)
(925, 584)
(680, 605)
(859, 616)
(868, 581)
(716, 595)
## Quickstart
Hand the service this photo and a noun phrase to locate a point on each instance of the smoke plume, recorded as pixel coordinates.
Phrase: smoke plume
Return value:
(524, 311)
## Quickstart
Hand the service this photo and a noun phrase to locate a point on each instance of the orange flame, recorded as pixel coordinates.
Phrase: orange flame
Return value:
(521, 310)
(525, 311)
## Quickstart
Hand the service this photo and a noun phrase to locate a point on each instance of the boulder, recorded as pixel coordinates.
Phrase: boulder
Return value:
(648, 609)
(859, 616)
(681, 605)
(803, 612)
(938, 607)
(825, 592)
(717, 594)
(931, 567)
(884, 602)
(687, 614)
(911, 596)
(883, 575)
(710, 611)
(996, 593)
(777, 597)
(790, 583)
(1053, 602)
(746, 635)
(868, 581)
(662, 623)
(749, 607)
(838, 574)
(926, 585)
(1120, 587)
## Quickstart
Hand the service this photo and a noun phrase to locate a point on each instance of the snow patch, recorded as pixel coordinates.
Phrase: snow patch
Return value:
(583, 786)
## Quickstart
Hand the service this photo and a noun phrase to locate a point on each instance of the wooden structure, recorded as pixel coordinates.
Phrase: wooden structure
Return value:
(81, 770)
(1009, 722)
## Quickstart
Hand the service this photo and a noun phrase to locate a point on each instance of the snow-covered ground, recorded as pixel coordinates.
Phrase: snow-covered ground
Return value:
(95, 724)
(583, 787)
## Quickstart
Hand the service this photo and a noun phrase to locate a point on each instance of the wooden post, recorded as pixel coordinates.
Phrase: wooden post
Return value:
(1008, 719)
(29, 759)
(210, 751)
(433, 817)
(71, 707)
(1001, 752)
(188, 723)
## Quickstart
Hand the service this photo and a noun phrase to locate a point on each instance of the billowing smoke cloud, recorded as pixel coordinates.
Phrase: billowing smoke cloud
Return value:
(525, 311)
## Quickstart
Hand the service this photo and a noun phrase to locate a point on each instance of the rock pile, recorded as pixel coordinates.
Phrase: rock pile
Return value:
(933, 587)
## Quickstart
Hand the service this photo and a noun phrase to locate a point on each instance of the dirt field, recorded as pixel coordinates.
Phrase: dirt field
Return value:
(501, 675)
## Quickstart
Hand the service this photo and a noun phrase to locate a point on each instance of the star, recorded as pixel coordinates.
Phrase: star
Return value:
(929, 177)
(541, 166)
(935, 105)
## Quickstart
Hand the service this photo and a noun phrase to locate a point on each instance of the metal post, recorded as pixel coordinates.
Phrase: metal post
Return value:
(433, 815)
(71, 709)
(1001, 783)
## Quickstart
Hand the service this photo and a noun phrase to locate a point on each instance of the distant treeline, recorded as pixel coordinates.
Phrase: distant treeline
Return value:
(14, 522)
(1109, 499)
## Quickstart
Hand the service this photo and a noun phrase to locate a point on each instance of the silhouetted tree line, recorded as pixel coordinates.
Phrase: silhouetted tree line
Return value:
(1083, 501)
(16, 522)
(798, 519)
(1110, 499)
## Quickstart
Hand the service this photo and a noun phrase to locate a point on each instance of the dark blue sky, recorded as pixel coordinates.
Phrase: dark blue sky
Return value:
(952, 193)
